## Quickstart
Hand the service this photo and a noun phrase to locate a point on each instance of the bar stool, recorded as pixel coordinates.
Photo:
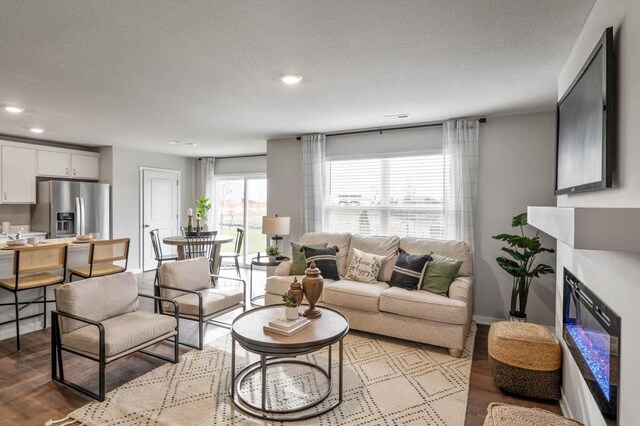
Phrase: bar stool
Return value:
(102, 254)
(32, 268)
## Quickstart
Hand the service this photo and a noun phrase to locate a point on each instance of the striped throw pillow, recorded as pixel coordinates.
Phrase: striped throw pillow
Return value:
(409, 270)
(325, 260)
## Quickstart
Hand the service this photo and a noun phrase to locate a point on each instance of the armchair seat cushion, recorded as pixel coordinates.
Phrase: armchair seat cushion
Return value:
(213, 301)
(424, 305)
(121, 333)
(354, 294)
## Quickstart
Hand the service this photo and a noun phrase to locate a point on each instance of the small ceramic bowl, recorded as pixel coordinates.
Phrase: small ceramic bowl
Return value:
(17, 243)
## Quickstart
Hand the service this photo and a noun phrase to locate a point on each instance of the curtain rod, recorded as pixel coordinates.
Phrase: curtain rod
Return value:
(236, 156)
(386, 129)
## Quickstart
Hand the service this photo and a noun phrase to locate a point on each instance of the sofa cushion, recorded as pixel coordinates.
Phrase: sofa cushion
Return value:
(191, 274)
(441, 272)
(353, 294)
(213, 300)
(364, 267)
(382, 246)
(340, 240)
(298, 260)
(409, 270)
(120, 333)
(424, 305)
(324, 259)
(453, 249)
(97, 298)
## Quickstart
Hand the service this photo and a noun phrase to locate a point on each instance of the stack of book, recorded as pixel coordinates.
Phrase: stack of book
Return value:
(286, 327)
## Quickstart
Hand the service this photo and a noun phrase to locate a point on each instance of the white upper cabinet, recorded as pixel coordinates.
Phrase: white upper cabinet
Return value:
(52, 163)
(68, 165)
(84, 166)
(18, 175)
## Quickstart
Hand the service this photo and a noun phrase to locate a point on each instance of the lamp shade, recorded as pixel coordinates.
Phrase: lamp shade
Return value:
(275, 225)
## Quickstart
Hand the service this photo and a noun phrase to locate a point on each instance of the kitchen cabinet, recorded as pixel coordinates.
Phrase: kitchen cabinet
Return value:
(53, 163)
(84, 166)
(68, 165)
(18, 175)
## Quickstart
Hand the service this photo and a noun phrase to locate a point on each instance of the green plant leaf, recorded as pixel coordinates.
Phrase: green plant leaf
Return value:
(541, 269)
(523, 257)
(519, 220)
(511, 267)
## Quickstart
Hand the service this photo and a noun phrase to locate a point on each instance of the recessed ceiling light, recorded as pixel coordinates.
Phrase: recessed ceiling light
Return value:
(174, 142)
(13, 109)
(191, 144)
(37, 130)
(290, 78)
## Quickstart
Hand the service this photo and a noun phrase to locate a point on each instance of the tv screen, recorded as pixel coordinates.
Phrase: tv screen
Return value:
(585, 123)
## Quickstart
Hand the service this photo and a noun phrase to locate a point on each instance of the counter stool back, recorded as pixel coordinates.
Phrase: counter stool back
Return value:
(34, 267)
(102, 254)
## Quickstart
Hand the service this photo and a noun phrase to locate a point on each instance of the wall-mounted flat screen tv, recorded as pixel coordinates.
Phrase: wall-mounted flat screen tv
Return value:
(585, 124)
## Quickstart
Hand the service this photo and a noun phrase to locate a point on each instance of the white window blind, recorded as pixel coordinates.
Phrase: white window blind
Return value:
(400, 195)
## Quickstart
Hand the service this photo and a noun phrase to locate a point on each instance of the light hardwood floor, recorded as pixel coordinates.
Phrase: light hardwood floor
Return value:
(28, 397)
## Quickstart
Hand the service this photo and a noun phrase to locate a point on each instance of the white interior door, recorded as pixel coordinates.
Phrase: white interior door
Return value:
(160, 194)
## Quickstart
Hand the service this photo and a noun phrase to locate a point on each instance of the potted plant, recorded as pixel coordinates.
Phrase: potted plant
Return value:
(290, 308)
(202, 209)
(272, 252)
(522, 251)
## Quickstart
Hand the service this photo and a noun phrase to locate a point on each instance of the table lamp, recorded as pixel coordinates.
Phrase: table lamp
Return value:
(276, 226)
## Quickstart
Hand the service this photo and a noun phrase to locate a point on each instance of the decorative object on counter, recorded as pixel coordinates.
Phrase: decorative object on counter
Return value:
(290, 308)
(523, 250)
(18, 242)
(189, 220)
(94, 236)
(312, 286)
(276, 226)
(202, 209)
(295, 291)
(34, 241)
(272, 253)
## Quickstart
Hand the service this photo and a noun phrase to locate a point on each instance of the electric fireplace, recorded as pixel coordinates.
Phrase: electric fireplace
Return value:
(591, 330)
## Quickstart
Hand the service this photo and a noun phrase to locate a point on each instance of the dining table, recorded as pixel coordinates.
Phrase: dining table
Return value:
(181, 241)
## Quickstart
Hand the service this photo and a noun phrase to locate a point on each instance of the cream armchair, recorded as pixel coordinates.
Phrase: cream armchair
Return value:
(98, 319)
(196, 292)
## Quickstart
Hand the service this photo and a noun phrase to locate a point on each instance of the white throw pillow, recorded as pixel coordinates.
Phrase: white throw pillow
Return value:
(364, 267)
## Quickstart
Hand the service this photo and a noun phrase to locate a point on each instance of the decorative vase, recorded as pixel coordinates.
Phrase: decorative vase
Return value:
(290, 313)
(295, 291)
(312, 285)
(272, 259)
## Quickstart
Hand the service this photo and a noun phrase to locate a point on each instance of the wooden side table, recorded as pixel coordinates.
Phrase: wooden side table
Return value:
(261, 261)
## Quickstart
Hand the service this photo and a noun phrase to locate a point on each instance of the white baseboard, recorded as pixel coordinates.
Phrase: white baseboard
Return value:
(486, 320)
(566, 411)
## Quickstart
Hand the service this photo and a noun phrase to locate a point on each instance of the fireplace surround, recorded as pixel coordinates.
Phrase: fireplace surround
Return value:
(591, 331)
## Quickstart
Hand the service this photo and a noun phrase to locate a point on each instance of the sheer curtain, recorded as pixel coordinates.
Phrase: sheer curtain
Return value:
(460, 149)
(313, 160)
(204, 184)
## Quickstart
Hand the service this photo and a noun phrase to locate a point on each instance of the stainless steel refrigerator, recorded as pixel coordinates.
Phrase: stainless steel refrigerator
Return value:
(65, 209)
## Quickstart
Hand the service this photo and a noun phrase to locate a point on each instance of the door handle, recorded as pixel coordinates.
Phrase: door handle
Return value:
(146, 226)
(5, 196)
(74, 172)
(66, 171)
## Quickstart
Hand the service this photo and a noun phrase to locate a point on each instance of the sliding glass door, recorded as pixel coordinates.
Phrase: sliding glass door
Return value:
(240, 202)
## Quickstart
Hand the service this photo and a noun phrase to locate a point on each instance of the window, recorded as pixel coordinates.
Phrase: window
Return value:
(386, 196)
(241, 202)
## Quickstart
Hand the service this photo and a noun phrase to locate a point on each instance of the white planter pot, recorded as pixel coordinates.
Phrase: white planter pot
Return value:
(272, 259)
(290, 313)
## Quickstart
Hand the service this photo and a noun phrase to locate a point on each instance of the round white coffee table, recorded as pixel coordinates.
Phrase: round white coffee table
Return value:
(278, 350)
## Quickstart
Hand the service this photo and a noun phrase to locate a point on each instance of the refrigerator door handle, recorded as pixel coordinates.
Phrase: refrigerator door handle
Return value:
(84, 218)
(78, 215)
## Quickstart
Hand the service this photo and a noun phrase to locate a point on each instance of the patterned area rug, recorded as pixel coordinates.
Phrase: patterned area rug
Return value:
(386, 382)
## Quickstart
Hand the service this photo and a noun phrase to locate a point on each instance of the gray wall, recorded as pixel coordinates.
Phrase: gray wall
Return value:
(516, 161)
(125, 191)
(614, 276)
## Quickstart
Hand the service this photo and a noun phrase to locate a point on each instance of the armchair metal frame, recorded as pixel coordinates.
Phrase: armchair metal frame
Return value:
(57, 368)
(201, 320)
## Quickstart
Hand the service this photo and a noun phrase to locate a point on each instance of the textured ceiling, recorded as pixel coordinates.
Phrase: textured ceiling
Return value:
(144, 72)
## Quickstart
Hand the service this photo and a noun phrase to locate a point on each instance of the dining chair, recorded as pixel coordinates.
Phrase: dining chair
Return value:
(157, 251)
(102, 254)
(235, 254)
(34, 267)
(200, 244)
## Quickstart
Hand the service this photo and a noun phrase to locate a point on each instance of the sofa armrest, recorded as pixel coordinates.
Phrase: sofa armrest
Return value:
(461, 289)
(284, 268)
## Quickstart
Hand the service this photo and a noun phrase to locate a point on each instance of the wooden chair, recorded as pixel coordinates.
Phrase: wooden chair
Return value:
(235, 255)
(32, 268)
(102, 254)
(190, 284)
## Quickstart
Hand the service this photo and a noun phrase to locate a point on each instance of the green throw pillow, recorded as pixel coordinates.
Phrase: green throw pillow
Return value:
(298, 261)
(441, 272)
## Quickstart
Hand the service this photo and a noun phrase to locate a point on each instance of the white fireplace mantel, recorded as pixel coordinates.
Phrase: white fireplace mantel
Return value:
(590, 228)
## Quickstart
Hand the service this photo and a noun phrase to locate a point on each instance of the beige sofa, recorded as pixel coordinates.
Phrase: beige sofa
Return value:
(420, 316)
